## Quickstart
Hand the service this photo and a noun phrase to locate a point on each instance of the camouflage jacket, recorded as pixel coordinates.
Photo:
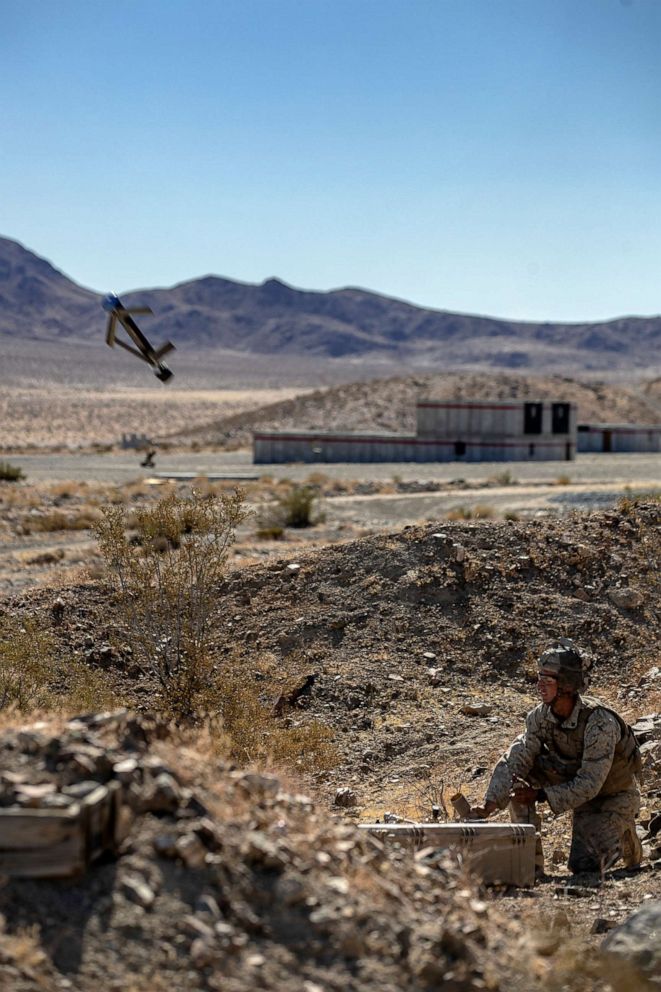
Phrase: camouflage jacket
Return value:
(592, 753)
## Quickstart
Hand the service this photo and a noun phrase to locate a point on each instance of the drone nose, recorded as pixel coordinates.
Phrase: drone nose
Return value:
(110, 302)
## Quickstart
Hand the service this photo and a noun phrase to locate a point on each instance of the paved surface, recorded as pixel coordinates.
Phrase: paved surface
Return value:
(124, 467)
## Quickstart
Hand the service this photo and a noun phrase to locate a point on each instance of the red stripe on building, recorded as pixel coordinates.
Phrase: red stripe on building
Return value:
(468, 406)
(414, 441)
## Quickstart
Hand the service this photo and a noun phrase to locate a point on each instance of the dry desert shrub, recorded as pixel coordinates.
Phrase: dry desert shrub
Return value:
(56, 520)
(166, 578)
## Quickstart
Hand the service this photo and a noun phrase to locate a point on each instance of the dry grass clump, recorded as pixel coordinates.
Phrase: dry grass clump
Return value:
(56, 520)
(33, 677)
(504, 478)
(245, 728)
(481, 511)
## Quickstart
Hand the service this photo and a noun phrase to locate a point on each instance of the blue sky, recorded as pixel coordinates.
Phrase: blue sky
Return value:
(490, 156)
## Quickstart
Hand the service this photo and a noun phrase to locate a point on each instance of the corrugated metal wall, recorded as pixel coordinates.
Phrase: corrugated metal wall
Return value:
(618, 438)
(447, 431)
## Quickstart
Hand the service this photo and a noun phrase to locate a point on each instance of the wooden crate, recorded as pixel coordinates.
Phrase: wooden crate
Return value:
(499, 853)
(59, 843)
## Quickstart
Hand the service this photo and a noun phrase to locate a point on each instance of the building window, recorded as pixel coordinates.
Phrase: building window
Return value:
(560, 418)
(532, 418)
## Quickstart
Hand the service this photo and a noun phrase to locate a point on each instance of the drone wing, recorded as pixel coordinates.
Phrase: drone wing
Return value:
(111, 330)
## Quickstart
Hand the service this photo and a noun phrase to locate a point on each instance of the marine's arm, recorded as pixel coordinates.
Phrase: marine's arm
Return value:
(602, 733)
(516, 763)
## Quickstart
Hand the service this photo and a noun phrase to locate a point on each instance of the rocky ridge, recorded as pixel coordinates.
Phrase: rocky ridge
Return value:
(388, 405)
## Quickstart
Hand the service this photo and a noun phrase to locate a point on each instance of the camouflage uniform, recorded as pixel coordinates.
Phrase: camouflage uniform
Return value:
(587, 763)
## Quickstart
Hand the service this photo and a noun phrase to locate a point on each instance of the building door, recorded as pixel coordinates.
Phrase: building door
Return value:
(532, 418)
(607, 441)
(560, 418)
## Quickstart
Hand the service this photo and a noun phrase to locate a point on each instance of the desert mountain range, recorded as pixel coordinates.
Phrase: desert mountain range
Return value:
(38, 301)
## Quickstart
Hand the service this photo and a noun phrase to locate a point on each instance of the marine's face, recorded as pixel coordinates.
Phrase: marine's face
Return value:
(547, 687)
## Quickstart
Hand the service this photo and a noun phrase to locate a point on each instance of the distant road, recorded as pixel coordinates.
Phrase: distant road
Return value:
(618, 470)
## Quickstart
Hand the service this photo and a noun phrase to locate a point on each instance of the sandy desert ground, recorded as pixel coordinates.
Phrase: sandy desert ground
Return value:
(420, 591)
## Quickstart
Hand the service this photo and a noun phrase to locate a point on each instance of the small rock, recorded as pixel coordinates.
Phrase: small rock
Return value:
(138, 892)
(33, 796)
(259, 849)
(256, 785)
(197, 927)
(475, 709)
(625, 598)
(79, 790)
(202, 952)
(165, 845)
(207, 905)
(125, 770)
(345, 797)
(191, 850)
(162, 795)
(636, 944)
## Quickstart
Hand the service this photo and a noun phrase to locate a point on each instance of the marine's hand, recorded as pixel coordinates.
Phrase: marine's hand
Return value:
(525, 795)
(482, 812)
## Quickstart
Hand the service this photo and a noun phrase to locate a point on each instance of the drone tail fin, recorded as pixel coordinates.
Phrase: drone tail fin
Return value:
(164, 350)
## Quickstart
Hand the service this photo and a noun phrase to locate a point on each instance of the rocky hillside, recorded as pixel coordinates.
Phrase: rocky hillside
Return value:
(370, 618)
(416, 648)
(277, 319)
(389, 404)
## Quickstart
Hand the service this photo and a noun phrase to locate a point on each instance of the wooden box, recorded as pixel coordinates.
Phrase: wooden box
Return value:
(59, 843)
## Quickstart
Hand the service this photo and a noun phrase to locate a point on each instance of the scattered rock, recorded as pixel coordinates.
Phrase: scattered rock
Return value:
(345, 797)
(476, 709)
(625, 598)
(191, 850)
(634, 949)
(138, 891)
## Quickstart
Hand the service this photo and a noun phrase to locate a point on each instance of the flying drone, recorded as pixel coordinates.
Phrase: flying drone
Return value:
(143, 349)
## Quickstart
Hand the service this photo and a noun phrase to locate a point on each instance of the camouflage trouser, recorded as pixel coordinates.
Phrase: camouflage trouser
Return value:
(603, 829)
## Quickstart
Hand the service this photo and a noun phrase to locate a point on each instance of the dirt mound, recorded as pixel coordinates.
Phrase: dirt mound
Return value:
(422, 643)
(373, 618)
(389, 404)
(228, 880)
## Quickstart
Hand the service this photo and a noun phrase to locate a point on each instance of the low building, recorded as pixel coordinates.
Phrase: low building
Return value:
(447, 431)
(618, 438)
(135, 442)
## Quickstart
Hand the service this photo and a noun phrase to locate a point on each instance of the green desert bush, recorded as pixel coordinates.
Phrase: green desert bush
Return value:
(300, 506)
(297, 507)
(10, 473)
